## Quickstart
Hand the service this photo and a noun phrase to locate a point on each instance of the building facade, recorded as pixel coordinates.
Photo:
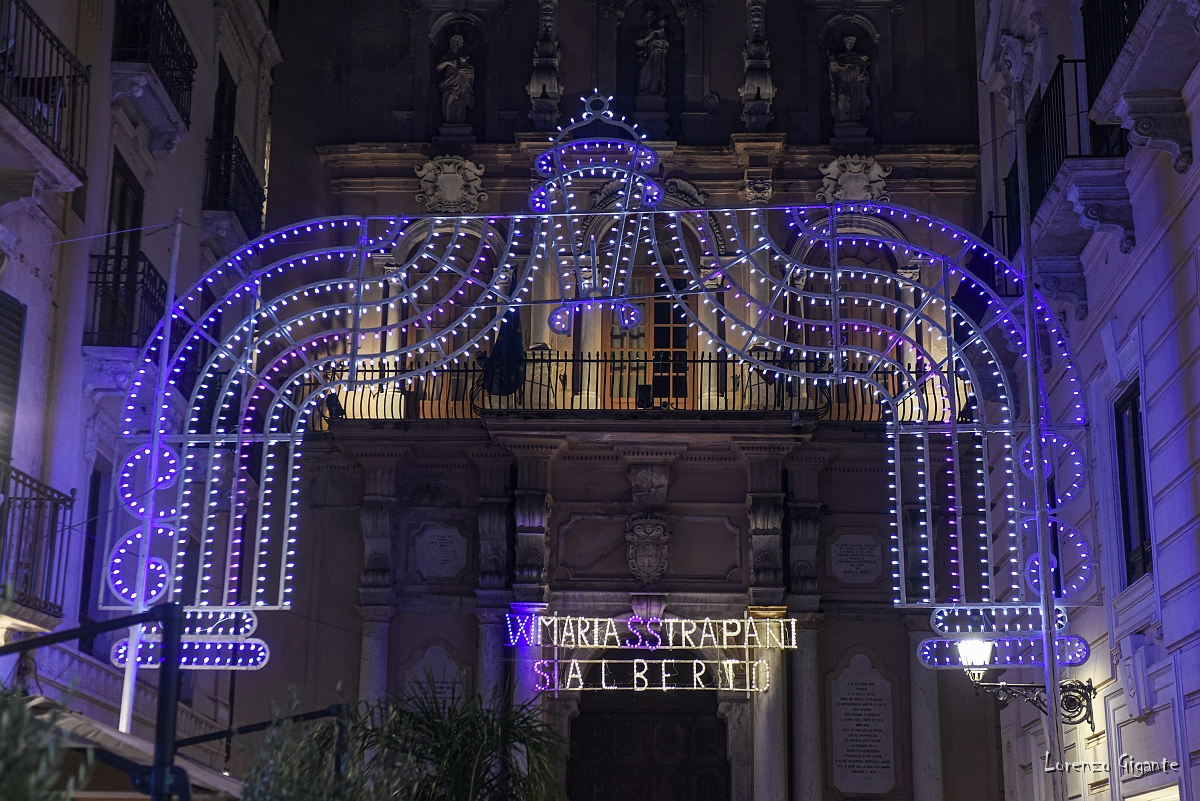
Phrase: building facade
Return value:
(1110, 92)
(113, 114)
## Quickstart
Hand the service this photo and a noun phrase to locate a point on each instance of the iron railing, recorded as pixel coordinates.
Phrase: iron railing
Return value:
(147, 32)
(128, 299)
(555, 381)
(43, 84)
(1059, 128)
(1106, 27)
(35, 521)
(233, 186)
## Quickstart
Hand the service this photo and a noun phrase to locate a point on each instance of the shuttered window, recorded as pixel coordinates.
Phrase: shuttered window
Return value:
(12, 327)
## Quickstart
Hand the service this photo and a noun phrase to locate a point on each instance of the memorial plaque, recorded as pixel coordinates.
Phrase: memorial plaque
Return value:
(856, 559)
(436, 666)
(438, 552)
(863, 752)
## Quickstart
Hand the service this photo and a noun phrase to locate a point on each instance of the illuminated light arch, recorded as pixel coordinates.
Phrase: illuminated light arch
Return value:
(340, 305)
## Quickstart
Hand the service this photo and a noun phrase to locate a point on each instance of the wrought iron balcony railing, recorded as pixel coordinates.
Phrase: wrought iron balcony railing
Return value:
(554, 381)
(43, 84)
(1106, 27)
(1059, 128)
(147, 32)
(233, 186)
(35, 521)
(128, 299)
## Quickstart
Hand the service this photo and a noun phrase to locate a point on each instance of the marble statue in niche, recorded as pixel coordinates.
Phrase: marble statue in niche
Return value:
(849, 83)
(458, 84)
(652, 55)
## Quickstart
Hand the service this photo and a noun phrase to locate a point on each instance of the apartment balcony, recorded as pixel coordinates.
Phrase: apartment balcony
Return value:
(1076, 184)
(35, 524)
(549, 382)
(128, 298)
(153, 65)
(44, 94)
(1143, 53)
(233, 186)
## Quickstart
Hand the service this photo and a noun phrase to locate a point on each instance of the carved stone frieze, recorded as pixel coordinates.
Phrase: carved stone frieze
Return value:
(649, 482)
(451, 185)
(853, 178)
(1158, 120)
(649, 550)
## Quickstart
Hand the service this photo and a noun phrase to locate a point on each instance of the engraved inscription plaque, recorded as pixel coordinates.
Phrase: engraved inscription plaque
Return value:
(863, 752)
(856, 559)
(438, 552)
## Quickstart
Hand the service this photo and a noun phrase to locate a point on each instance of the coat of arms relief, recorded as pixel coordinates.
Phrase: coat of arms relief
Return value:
(451, 185)
(649, 551)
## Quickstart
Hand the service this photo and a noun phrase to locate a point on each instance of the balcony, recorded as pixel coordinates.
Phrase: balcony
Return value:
(44, 94)
(35, 522)
(558, 382)
(233, 186)
(128, 299)
(153, 65)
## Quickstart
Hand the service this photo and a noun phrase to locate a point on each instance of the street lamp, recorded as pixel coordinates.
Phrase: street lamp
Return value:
(1075, 697)
(976, 656)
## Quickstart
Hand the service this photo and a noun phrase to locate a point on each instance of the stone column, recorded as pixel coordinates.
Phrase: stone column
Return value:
(926, 717)
(375, 594)
(493, 637)
(769, 715)
(373, 664)
(808, 780)
(734, 709)
(525, 653)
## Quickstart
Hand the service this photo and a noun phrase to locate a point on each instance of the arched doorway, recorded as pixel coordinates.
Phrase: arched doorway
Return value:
(647, 746)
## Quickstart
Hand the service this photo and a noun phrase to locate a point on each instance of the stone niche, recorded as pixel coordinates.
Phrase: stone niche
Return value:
(703, 548)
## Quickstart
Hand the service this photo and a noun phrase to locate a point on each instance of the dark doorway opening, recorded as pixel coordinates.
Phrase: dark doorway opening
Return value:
(648, 746)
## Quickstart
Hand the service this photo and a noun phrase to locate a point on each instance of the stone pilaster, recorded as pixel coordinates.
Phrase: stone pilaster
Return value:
(804, 468)
(808, 780)
(544, 87)
(764, 507)
(490, 661)
(769, 717)
(524, 654)
(493, 464)
(734, 709)
(375, 593)
(925, 715)
(757, 90)
(532, 512)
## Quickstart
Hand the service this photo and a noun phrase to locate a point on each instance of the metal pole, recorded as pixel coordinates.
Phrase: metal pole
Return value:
(168, 701)
(158, 423)
(1054, 729)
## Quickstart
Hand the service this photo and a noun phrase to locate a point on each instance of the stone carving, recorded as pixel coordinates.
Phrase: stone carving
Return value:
(685, 193)
(1158, 120)
(1101, 200)
(608, 195)
(757, 90)
(1061, 278)
(853, 178)
(545, 88)
(652, 55)
(649, 551)
(451, 185)
(458, 84)
(849, 81)
(649, 482)
(758, 191)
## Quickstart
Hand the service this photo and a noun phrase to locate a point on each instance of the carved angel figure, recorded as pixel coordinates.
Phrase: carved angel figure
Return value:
(652, 55)
(458, 85)
(849, 80)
